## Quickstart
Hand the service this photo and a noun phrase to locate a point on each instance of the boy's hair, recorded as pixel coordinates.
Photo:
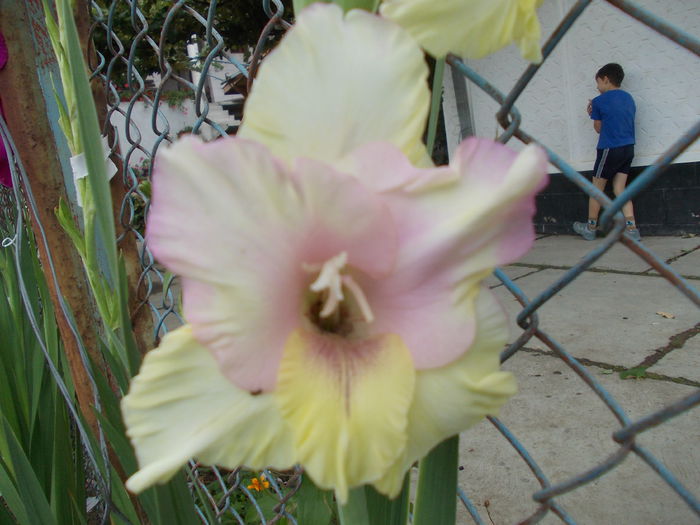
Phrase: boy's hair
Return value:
(613, 71)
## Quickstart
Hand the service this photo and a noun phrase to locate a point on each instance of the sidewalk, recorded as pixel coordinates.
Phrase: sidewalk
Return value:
(618, 315)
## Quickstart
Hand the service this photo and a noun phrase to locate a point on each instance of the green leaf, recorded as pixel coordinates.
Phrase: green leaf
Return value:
(385, 511)
(174, 502)
(367, 5)
(436, 494)
(298, 5)
(37, 507)
(121, 499)
(65, 219)
(313, 504)
(133, 355)
(63, 119)
(435, 102)
(355, 511)
(67, 483)
(346, 5)
(639, 372)
(89, 134)
(202, 496)
(5, 516)
(11, 497)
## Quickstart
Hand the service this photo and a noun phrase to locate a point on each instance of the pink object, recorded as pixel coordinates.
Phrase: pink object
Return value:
(5, 175)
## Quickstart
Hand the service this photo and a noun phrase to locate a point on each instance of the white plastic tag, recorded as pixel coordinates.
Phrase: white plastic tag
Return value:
(79, 166)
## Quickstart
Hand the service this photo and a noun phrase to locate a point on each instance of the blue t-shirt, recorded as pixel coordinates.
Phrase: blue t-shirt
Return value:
(615, 109)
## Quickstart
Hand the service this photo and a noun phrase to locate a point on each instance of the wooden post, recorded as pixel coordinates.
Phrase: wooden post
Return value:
(31, 113)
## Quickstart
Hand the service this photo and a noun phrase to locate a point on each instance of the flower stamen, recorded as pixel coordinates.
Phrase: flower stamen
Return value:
(330, 282)
(359, 297)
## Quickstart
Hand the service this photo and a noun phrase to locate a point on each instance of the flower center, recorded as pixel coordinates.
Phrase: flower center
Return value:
(336, 298)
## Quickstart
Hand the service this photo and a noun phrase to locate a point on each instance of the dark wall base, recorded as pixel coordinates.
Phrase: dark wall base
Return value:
(670, 206)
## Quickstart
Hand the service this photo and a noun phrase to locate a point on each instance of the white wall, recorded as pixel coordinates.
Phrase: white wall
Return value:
(179, 117)
(141, 116)
(663, 78)
(220, 70)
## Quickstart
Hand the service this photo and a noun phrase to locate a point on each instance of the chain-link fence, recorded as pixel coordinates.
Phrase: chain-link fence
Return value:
(135, 58)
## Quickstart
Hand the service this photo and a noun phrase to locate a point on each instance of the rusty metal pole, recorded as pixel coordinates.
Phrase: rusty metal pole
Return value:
(31, 113)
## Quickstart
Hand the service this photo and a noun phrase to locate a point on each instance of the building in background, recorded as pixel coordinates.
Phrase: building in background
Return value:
(663, 78)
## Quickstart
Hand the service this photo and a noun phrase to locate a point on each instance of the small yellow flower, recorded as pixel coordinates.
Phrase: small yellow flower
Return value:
(259, 484)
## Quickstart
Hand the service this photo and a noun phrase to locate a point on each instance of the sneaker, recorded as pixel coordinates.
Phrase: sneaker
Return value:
(634, 233)
(582, 229)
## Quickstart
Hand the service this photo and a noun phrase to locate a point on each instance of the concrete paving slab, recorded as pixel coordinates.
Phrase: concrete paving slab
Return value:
(609, 318)
(567, 250)
(567, 430)
(557, 250)
(688, 265)
(682, 362)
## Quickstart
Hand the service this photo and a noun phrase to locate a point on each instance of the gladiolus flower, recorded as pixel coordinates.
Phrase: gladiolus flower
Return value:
(335, 314)
(469, 28)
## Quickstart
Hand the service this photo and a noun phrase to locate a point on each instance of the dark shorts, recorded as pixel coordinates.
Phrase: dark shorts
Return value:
(610, 161)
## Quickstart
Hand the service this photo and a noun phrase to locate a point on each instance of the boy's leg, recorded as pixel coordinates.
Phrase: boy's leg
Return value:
(619, 183)
(593, 204)
(587, 230)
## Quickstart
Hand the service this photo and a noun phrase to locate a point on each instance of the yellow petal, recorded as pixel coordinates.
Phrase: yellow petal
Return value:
(469, 28)
(450, 399)
(180, 406)
(346, 403)
(336, 82)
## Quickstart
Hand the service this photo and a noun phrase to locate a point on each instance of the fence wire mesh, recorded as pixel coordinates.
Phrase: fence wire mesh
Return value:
(135, 59)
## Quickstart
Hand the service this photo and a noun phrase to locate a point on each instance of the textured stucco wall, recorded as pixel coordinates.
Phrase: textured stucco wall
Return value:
(663, 78)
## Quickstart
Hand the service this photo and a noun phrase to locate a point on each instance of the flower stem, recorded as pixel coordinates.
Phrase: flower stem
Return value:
(436, 493)
(354, 512)
(385, 511)
(435, 104)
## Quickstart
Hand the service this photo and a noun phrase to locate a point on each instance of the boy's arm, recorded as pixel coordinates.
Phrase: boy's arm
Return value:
(594, 113)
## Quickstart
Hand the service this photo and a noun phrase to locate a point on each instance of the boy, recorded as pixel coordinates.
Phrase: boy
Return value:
(612, 113)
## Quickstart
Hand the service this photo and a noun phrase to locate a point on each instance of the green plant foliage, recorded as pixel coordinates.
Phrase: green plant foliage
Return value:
(436, 495)
(42, 473)
(314, 506)
(239, 23)
(639, 372)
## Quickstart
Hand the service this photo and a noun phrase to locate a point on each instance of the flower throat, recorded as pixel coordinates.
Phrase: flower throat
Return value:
(336, 302)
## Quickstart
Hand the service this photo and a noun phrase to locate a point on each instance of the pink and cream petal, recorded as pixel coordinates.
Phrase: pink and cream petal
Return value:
(450, 399)
(469, 28)
(239, 227)
(180, 406)
(338, 81)
(346, 402)
(201, 222)
(454, 228)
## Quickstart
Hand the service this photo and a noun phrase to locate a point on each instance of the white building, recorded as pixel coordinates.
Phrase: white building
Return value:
(663, 78)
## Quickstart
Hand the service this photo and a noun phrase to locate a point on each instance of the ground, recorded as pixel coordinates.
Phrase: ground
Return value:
(619, 319)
